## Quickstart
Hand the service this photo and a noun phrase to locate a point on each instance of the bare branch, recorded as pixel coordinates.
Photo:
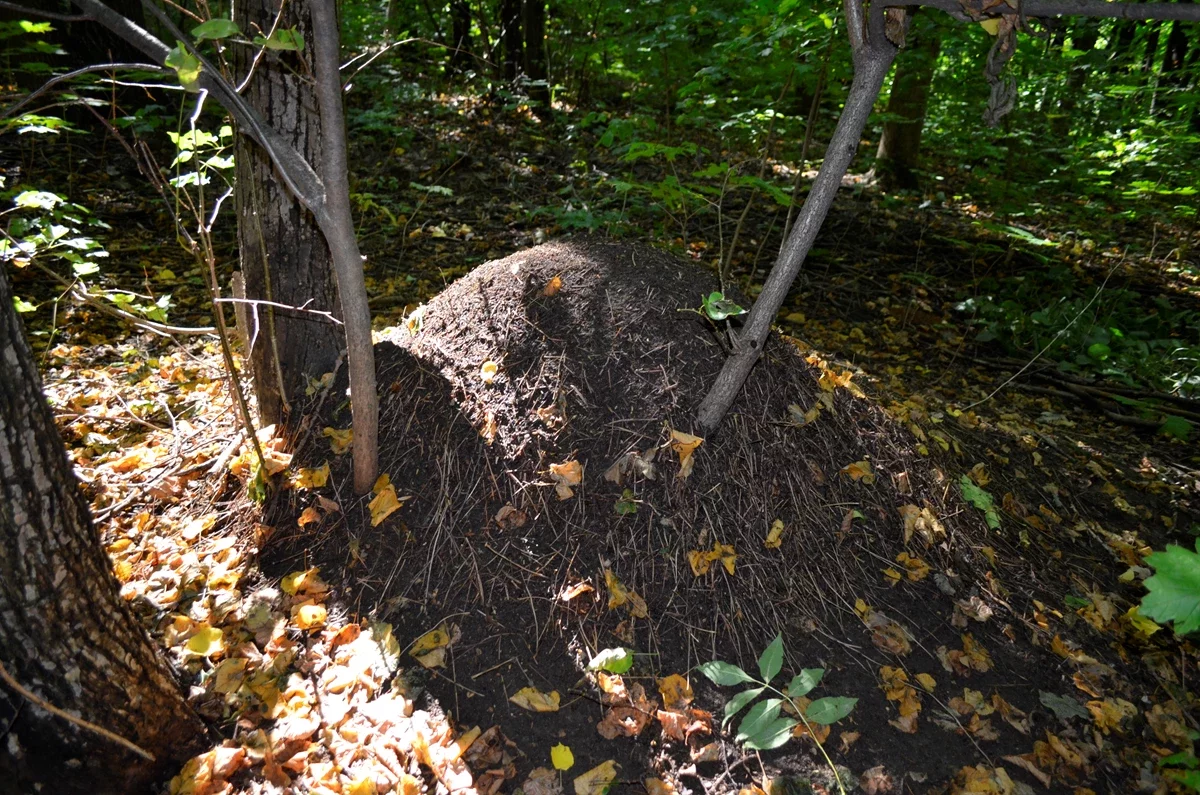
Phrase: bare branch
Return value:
(53, 81)
(37, 12)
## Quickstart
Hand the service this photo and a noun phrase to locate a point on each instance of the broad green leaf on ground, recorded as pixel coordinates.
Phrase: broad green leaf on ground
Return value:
(803, 682)
(723, 673)
(771, 660)
(981, 500)
(614, 661)
(1174, 590)
(830, 709)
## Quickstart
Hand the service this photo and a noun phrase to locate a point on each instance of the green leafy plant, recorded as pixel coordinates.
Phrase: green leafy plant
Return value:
(717, 307)
(1174, 590)
(981, 500)
(764, 725)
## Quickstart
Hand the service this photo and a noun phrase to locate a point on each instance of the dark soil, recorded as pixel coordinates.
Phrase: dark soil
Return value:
(613, 365)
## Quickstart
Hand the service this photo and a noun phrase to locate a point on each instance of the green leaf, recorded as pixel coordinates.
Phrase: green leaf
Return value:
(615, 661)
(723, 673)
(981, 500)
(772, 735)
(186, 66)
(1099, 351)
(830, 709)
(738, 702)
(771, 660)
(37, 200)
(282, 39)
(216, 29)
(1174, 590)
(21, 305)
(1176, 427)
(1064, 707)
(718, 307)
(760, 716)
(626, 504)
(803, 682)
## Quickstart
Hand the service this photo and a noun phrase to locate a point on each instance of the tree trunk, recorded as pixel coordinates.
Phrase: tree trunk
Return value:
(284, 256)
(900, 145)
(65, 633)
(1060, 123)
(460, 23)
(511, 38)
(535, 51)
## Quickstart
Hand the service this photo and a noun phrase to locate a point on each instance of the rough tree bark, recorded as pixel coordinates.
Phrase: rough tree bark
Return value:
(329, 204)
(511, 39)
(535, 51)
(460, 24)
(899, 151)
(1060, 122)
(284, 257)
(65, 633)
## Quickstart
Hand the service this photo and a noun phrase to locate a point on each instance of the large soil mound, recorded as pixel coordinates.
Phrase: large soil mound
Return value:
(595, 363)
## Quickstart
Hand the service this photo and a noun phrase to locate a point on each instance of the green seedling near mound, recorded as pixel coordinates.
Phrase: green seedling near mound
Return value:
(763, 727)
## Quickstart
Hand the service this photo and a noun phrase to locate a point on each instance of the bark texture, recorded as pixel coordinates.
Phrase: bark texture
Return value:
(284, 256)
(535, 51)
(512, 39)
(65, 633)
(899, 151)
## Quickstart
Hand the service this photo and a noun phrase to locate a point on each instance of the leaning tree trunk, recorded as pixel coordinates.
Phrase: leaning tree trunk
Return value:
(900, 145)
(65, 633)
(284, 257)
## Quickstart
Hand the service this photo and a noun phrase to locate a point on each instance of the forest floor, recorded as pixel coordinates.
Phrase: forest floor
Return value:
(963, 531)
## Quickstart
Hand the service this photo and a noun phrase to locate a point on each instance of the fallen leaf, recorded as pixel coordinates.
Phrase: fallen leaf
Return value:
(774, 537)
(534, 700)
(702, 561)
(921, 522)
(684, 444)
(552, 287)
(488, 371)
(312, 478)
(340, 441)
(597, 780)
(619, 595)
(566, 475)
(206, 642)
(308, 516)
(385, 502)
(560, 755)
(675, 691)
(430, 649)
(510, 517)
(859, 470)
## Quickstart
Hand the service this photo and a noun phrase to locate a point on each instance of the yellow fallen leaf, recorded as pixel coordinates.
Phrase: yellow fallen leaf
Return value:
(891, 576)
(534, 700)
(430, 649)
(312, 478)
(774, 537)
(619, 595)
(684, 444)
(309, 616)
(914, 568)
(340, 441)
(552, 287)
(207, 641)
(921, 522)
(198, 527)
(926, 681)
(304, 583)
(363, 785)
(383, 504)
(566, 475)
(488, 371)
(229, 674)
(860, 470)
(597, 780)
(308, 516)
(560, 755)
(701, 561)
(676, 692)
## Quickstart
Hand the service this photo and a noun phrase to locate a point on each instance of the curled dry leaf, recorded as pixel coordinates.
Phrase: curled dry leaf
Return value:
(510, 517)
(684, 445)
(619, 595)
(860, 470)
(385, 502)
(340, 440)
(675, 691)
(312, 478)
(565, 476)
(308, 516)
(701, 561)
(552, 287)
(774, 537)
(430, 649)
(921, 522)
(573, 592)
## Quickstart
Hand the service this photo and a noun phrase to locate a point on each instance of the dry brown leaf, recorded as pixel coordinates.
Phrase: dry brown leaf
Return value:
(684, 444)
(566, 475)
